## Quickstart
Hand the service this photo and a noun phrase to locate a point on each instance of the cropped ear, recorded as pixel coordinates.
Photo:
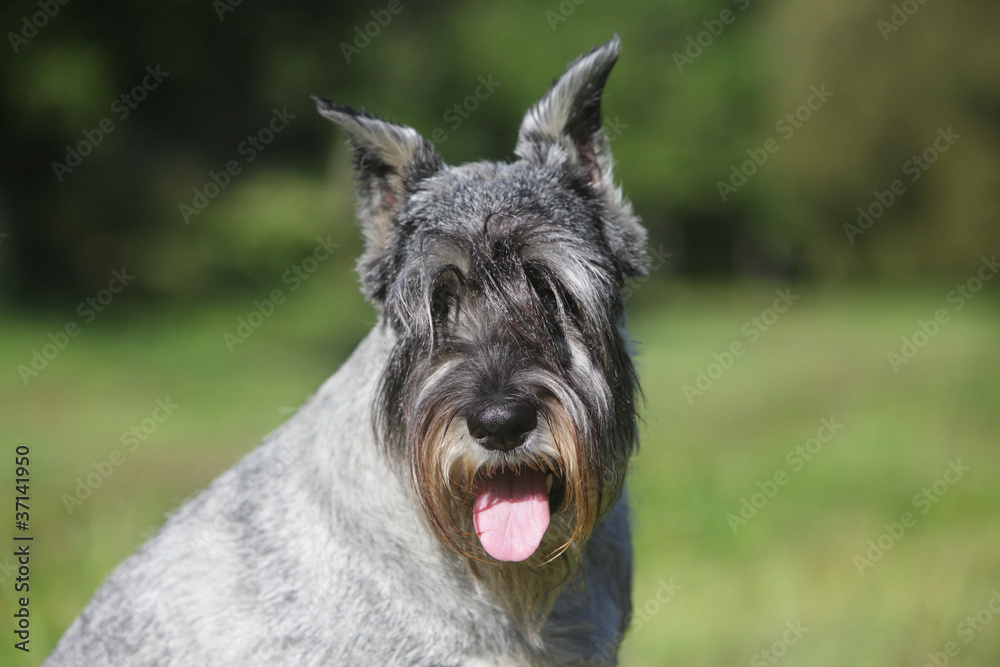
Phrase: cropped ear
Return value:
(569, 118)
(390, 160)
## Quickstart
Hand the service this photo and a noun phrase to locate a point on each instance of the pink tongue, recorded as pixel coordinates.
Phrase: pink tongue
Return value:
(511, 514)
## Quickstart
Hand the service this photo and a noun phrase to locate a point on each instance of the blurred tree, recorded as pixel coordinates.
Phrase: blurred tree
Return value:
(916, 102)
(100, 156)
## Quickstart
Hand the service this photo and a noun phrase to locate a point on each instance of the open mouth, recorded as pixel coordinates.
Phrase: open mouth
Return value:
(512, 508)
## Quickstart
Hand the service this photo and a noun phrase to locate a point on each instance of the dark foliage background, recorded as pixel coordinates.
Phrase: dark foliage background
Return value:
(684, 122)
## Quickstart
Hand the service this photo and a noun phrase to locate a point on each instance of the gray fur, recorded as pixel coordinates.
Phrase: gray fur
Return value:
(319, 547)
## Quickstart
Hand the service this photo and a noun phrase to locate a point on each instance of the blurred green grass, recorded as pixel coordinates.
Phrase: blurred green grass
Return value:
(792, 562)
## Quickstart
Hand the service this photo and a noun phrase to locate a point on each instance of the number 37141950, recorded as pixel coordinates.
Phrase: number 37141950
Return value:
(22, 481)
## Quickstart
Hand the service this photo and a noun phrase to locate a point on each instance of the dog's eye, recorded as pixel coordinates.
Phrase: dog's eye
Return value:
(544, 291)
(441, 302)
(548, 298)
(444, 298)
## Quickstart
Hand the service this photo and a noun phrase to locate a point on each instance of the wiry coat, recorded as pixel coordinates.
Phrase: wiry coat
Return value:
(322, 546)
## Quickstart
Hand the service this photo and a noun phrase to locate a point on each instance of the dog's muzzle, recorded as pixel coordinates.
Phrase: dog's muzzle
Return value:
(511, 509)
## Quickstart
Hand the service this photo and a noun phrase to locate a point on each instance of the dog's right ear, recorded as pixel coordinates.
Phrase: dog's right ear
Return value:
(389, 161)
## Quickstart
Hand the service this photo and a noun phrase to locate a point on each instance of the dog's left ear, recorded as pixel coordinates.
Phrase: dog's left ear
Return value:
(569, 116)
(390, 160)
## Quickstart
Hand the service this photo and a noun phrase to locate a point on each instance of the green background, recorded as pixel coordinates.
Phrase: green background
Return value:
(678, 129)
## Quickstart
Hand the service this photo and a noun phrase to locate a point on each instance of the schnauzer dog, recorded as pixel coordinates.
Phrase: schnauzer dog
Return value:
(454, 494)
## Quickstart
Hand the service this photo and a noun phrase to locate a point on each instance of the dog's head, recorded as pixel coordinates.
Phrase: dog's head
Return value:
(509, 398)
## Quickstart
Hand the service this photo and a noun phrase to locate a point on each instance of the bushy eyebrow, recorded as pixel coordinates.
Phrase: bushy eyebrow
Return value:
(577, 272)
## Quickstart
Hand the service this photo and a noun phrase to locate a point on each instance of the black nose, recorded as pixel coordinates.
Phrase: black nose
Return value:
(503, 425)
